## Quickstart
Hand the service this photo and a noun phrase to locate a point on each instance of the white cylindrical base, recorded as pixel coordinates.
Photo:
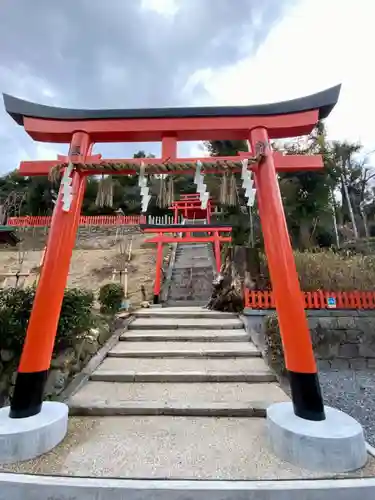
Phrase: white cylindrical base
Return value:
(336, 444)
(26, 438)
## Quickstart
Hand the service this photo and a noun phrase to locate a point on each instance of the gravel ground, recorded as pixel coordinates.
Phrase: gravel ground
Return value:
(354, 393)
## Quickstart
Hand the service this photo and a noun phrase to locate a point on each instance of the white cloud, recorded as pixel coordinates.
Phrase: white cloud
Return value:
(167, 8)
(319, 44)
(44, 152)
(29, 86)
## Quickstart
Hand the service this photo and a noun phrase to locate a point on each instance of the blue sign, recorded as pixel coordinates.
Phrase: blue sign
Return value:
(331, 303)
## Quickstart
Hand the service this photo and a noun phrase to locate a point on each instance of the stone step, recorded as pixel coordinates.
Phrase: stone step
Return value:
(188, 294)
(198, 273)
(233, 335)
(252, 370)
(185, 302)
(184, 266)
(191, 257)
(179, 296)
(185, 312)
(192, 251)
(193, 279)
(184, 349)
(201, 399)
(181, 323)
(195, 287)
(184, 294)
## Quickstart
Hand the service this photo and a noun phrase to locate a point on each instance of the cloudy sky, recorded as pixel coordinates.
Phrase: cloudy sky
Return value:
(154, 53)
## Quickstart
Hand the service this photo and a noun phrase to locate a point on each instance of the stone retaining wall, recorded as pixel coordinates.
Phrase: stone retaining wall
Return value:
(346, 337)
(88, 237)
(65, 364)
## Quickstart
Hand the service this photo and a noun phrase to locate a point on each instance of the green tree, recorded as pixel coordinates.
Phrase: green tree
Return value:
(226, 148)
(306, 195)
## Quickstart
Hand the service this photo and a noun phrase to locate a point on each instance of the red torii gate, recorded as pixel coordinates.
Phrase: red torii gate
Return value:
(189, 205)
(214, 236)
(82, 128)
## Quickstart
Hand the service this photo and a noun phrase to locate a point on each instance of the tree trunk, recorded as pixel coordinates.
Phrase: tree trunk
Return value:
(304, 234)
(235, 273)
(350, 207)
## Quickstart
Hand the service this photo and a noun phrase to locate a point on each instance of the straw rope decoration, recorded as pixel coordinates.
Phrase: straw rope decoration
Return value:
(170, 191)
(104, 197)
(152, 168)
(162, 194)
(224, 188)
(166, 192)
(232, 198)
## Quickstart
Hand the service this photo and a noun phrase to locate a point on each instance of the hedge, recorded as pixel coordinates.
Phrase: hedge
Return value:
(15, 306)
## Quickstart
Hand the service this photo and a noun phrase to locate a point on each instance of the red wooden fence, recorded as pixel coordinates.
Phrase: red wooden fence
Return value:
(85, 220)
(315, 300)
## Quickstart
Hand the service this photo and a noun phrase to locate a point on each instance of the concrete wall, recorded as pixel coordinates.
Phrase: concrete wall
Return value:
(342, 338)
(20, 487)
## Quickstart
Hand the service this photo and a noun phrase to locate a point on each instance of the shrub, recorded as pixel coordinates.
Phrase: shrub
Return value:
(332, 271)
(76, 316)
(111, 296)
(15, 308)
(328, 270)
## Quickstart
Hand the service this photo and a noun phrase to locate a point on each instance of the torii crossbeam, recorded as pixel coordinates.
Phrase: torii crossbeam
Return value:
(82, 128)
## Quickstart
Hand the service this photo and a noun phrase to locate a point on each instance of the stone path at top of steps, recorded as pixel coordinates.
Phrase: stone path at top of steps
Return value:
(183, 403)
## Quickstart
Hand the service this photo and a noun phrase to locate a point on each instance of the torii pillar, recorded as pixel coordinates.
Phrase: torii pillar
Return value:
(41, 331)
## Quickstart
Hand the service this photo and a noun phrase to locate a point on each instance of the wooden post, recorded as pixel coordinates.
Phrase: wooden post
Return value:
(208, 216)
(299, 356)
(41, 331)
(217, 251)
(159, 263)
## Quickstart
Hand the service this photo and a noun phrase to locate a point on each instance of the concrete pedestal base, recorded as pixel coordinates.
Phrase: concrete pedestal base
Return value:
(336, 444)
(26, 438)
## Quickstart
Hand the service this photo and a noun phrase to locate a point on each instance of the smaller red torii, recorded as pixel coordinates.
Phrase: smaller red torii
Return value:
(191, 208)
(213, 236)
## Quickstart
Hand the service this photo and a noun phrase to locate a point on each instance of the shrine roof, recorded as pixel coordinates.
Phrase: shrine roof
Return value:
(323, 101)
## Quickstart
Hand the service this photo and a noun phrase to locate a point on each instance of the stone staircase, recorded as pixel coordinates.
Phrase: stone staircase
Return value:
(192, 273)
(180, 362)
(192, 276)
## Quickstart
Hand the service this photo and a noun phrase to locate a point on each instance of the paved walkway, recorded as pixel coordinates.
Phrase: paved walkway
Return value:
(182, 395)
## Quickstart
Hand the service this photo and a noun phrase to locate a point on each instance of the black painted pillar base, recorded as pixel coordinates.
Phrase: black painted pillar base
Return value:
(28, 394)
(156, 299)
(306, 396)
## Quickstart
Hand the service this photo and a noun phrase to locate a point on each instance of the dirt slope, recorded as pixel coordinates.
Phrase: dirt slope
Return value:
(96, 256)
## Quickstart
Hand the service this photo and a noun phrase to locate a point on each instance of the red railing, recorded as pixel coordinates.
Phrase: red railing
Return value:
(85, 220)
(315, 300)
